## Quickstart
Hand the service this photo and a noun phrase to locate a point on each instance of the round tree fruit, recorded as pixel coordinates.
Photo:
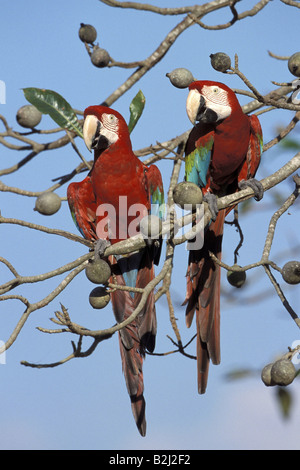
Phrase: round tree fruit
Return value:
(291, 272)
(220, 61)
(186, 193)
(180, 78)
(47, 203)
(283, 372)
(99, 297)
(100, 57)
(150, 226)
(294, 64)
(98, 271)
(87, 33)
(28, 116)
(266, 375)
(236, 278)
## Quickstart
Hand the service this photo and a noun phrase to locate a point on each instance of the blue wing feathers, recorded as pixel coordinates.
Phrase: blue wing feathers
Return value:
(197, 164)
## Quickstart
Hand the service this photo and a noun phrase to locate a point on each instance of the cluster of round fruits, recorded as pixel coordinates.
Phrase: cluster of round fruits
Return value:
(88, 34)
(98, 271)
(281, 372)
(182, 78)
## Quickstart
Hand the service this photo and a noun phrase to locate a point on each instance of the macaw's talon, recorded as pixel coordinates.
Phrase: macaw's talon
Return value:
(255, 185)
(212, 202)
(100, 247)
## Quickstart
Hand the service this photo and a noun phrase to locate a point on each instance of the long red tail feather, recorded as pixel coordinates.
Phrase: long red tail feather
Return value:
(203, 297)
(136, 337)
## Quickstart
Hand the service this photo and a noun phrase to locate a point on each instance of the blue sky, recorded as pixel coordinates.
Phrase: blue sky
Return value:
(84, 404)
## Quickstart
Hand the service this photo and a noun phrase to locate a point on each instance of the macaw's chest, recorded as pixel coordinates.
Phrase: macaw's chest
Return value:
(121, 198)
(228, 155)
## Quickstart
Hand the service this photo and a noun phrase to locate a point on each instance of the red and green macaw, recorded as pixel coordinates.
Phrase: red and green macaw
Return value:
(222, 155)
(119, 180)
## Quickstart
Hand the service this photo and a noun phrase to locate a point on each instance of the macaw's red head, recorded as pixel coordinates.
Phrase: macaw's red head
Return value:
(104, 127)
(210, 102)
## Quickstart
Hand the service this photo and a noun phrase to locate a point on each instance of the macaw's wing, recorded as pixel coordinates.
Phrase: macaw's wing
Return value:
(156, 196)
(198, 158)
(254, 150)
(82, 205)
(156, 191)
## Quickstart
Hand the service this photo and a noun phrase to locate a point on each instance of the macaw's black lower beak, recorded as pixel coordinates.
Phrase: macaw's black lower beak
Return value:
(204, 114)
(201, 110)
(99, 141)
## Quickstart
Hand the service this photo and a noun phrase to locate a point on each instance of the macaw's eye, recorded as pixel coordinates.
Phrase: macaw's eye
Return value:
(111, 117)
(215, 90)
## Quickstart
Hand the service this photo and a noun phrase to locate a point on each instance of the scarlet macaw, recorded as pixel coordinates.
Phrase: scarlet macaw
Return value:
(222, 155)
(116, 173)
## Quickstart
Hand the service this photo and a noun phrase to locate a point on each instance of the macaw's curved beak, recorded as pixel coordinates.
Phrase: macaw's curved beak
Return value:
(91, 129)
(92, 133)
(195, 106)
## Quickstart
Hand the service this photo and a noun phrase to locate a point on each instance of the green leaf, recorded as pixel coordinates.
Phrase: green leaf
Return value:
(285, 401)
(291, 144)
(238, 374)
(52, 103)
(136, 108)
(245, 206)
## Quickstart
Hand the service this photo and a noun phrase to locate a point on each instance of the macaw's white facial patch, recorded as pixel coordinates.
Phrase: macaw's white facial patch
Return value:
(216, 99)
(110, 127)
(110, 122)
(215, 94)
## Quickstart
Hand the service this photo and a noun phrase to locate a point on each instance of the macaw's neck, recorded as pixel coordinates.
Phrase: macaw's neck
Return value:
(121, 147)
(234, 124)
(232, 136)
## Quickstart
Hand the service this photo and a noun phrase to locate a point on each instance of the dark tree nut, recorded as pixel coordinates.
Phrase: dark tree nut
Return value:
(98, 271)
(291, 272)
(236, 278)
(186, 193)
(220, 61)
(87, 33)
(283, 372)
(28, 116)
(99, 297)
(180, 78)
(100, 57)
(47, 203)
(294, 64)
(266, 375)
